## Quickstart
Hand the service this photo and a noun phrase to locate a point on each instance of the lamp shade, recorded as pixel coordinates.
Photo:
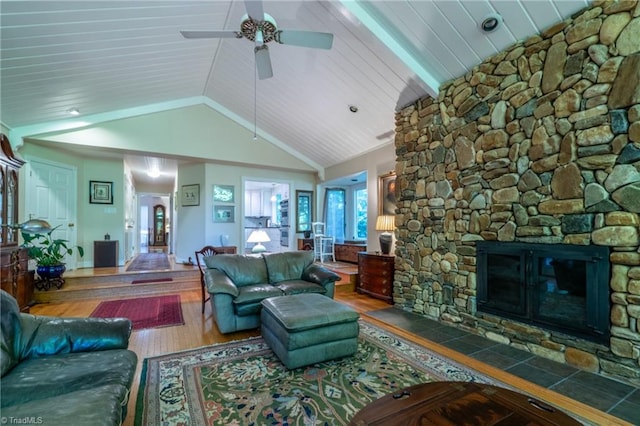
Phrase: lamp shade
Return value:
(258, 236)
(32, 226)
(386, 223)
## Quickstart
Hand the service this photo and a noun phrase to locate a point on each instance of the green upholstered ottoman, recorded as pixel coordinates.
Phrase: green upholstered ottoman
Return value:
(303, 329)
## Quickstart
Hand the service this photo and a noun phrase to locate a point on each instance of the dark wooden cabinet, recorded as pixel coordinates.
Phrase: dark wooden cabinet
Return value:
(15, 277)
(14, 262)
(348, 252)
(225, 250)
(375, 275)
(305, 244)
(105, 253)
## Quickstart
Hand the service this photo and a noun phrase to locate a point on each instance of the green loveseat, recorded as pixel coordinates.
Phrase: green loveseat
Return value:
(63, 371)
(239, 283)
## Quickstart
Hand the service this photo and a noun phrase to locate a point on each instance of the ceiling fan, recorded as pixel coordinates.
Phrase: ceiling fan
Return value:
(261, 28)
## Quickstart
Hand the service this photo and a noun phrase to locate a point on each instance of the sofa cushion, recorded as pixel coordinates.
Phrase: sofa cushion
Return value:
(10, 328)
(102, 405)
(243, 270)
(300, 286)
(250, 296)
(307, 311)
(46, 377)
(287, 266)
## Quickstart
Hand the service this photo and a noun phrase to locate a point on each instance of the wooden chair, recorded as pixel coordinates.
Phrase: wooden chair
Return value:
(200, 255)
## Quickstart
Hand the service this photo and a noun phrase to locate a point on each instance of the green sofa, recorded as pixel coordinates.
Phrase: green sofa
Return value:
(63, 371)
(239, 283)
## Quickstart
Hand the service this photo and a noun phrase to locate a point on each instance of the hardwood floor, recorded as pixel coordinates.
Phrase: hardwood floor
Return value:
(199, 330)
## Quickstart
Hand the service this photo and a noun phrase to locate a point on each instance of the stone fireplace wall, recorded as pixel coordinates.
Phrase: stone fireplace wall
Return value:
(540, 143)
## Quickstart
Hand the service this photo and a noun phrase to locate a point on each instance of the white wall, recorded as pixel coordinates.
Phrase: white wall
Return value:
(198, 132)
(190, 220)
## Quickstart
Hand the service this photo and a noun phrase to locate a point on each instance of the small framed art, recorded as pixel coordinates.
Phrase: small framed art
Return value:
(223, 193)
(224, 214)
(100, 192)
(191, 195)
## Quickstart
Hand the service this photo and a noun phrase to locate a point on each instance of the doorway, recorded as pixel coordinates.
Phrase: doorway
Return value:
(155, 219)
(266, 208)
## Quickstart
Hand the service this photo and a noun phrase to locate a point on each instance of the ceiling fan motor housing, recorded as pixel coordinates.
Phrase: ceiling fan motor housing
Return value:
(249, 27)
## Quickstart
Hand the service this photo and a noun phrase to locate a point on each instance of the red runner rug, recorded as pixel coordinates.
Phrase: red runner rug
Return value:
(144, 312)
(149, 262)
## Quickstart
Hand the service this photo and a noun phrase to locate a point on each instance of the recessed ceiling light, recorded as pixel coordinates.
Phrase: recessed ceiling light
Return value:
(491, 22)
(153, 173)
(74, 111)
(353, 108)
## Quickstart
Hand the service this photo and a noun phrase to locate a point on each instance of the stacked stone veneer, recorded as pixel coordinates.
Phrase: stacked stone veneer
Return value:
(540, 143)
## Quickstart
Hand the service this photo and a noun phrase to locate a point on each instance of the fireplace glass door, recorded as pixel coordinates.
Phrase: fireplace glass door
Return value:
(554, 286)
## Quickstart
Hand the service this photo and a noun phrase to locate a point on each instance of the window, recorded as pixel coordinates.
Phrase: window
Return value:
(360, 197)
(345, 212)
(334, 213)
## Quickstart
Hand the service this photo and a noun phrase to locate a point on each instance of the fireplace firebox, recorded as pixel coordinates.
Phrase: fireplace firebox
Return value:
(554, 286)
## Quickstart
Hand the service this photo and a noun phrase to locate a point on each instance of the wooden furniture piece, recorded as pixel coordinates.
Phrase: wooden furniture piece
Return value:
(200, 255)
(375, 275)
(348, 252)
(159, 219)
(225, 249)
(457, 403)
(105, 253)
(15, 278)
(305, 244)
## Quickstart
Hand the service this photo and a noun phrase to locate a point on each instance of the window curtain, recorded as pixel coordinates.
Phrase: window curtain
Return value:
(334, 213)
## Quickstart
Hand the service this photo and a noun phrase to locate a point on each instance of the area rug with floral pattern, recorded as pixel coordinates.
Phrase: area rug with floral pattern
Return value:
(244, 383)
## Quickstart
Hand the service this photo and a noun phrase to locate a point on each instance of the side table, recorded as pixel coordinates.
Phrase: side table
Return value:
(457, 403)
(105, 253)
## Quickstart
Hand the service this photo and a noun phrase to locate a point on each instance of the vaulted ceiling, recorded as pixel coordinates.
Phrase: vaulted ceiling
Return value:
(115, 59)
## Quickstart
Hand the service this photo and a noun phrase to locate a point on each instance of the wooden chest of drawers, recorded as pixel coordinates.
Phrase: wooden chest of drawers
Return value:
(375, 275)
(348, 252)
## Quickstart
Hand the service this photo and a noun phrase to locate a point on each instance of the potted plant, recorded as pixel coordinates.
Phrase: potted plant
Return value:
(48, 252)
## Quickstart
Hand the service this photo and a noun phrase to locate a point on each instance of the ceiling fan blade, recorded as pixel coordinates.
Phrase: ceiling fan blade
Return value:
(263, 62)
(211, 34)
(254, 9)
(305, 38)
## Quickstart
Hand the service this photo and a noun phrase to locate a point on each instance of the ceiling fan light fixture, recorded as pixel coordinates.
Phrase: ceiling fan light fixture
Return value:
(491, 22)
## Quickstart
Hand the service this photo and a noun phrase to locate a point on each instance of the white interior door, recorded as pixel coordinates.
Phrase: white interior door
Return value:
(51, 195)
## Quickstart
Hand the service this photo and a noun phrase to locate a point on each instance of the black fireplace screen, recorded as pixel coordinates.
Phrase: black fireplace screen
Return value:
(556, 286)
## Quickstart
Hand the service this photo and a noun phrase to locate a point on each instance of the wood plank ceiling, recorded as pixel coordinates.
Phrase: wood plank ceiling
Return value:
(105, 57)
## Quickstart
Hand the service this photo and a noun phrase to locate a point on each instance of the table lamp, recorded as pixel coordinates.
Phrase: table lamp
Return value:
(258, 236)
(386, 223)
(32, 226)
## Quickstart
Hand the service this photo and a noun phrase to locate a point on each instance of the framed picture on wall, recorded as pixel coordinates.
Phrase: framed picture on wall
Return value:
(100, 192)
(223, 193)
(224, 214)
(191, 195)
(387, 194)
